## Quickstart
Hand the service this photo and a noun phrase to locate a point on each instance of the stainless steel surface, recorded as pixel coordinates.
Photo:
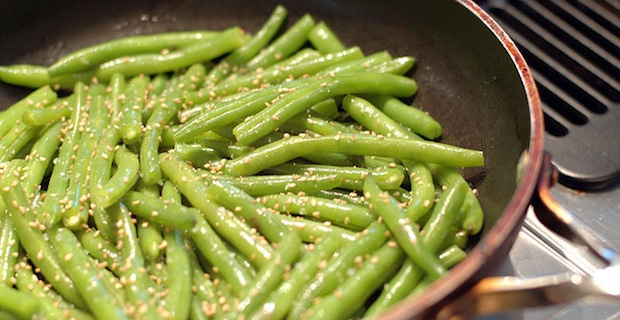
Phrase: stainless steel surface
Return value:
(597, 275)
(573, 47)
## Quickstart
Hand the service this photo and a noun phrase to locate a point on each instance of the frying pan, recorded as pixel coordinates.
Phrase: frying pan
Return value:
(472, 80)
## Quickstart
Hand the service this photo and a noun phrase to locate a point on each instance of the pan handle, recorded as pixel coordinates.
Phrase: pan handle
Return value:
(502, 294)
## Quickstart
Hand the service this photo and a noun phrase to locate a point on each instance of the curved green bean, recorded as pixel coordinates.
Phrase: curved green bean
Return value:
(92, 56)
(14, 113)
(199, 51)
(126, 175)
(404, 230)
(169, 214)
(287, 43)
(300, 100)
(247, 51)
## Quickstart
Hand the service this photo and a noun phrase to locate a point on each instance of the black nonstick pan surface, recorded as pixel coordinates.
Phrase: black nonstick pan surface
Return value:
(471, 79)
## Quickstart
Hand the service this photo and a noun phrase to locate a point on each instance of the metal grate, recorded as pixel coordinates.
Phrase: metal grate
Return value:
(573, 49)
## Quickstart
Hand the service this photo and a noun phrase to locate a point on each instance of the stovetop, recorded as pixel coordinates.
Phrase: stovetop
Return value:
(573, 49)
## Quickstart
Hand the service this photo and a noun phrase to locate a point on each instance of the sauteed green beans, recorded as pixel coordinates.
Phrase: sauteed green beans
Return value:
(225, 175)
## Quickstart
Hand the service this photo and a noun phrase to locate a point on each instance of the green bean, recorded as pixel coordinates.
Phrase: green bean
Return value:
(76, 210)
(418, 121)
(197, 154)
(246, 52)
(352, 294)
(14, 133)
(396, 66)
(422, 193)
(343, 215)
(115, 95)
(312, 230)
(279, 301)
(287, 43)
(278, 74)
(178, 263)
(150, 235)
(155, 89)
(162, 115)
(228, 111)
(199, 51)
(352, 177)
(406, 279)
(443, 214)
(133, 264)
(59, 180)
(170, 214)
(208, 242)
(367, 115)
(347, 196)
(16, 139)
(179, 278)
(53, 306)
(15, 112)
(18, 303)
(9, 247)
(53, 113)
(151, 240)
(324, 39)
(327, 108)
(269, 184)
(403, 229)
(32, 76)
(361, 65)
(131, 112)
(420, 177)
(292, 104)
(102, 162)
(244, 205)
(287, 149)
(270, 276)
(348, 256)
(101, 249)
(218, 255)
(128, 167)
(474, 216)
(32, 239)
(92, 56)
(101, 302)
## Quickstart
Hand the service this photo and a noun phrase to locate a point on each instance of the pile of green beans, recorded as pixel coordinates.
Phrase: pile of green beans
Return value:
(225, 175)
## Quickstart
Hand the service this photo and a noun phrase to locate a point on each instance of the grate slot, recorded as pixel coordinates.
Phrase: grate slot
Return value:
(553, 127)
(578, 76)
(593, 29)
(606, 13)
(559, 101)
(569, 47)
(543, 63)
(576, 35)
